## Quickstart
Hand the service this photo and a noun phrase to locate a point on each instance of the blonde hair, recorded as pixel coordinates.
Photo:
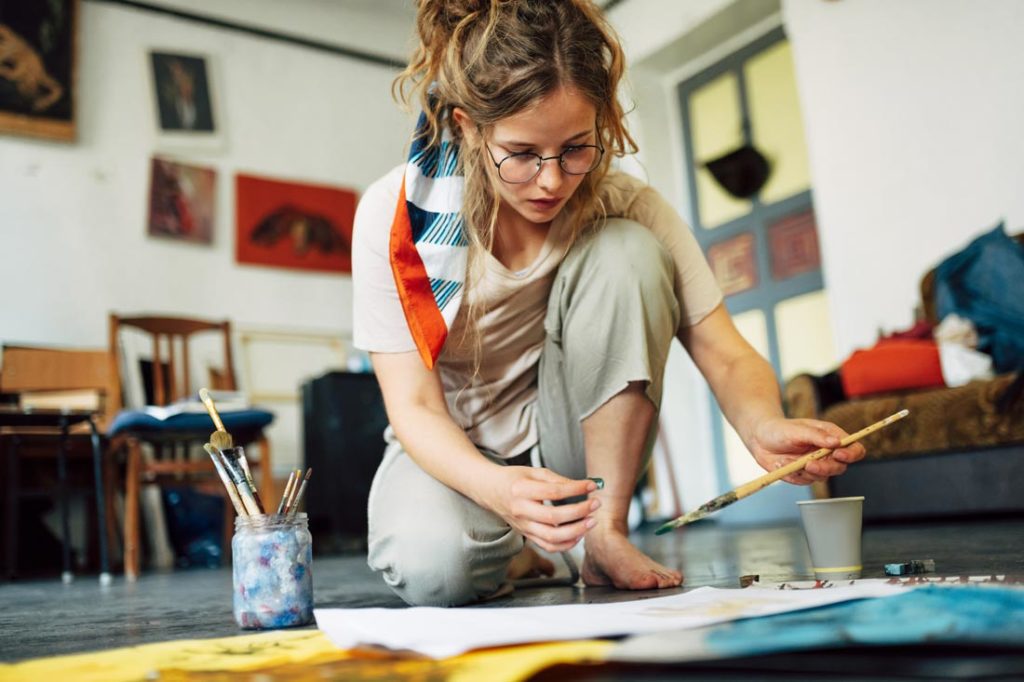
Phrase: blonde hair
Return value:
(495, 58)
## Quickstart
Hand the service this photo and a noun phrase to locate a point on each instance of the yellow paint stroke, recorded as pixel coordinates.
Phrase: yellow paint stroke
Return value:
(293, 654)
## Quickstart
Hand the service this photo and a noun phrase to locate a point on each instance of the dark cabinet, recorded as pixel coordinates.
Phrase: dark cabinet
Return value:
(343, 437)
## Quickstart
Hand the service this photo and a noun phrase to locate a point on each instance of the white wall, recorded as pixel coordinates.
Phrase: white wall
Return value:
(913, 112)
(73, 241)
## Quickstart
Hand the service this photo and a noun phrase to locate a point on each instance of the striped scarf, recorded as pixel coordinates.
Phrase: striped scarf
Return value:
(428, 246)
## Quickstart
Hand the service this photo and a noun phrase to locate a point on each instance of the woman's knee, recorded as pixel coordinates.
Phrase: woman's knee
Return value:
(428, 568)
(629, 253)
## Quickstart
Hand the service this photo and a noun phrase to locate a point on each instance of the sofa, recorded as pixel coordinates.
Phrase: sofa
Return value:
(960, 452)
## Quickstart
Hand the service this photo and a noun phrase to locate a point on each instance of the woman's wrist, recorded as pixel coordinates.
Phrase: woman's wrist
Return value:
(479, 479)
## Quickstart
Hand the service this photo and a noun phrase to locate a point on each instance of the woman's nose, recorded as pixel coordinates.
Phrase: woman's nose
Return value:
(551, 176)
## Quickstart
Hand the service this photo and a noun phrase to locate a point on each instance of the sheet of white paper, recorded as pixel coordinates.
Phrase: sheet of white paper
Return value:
(440, 632)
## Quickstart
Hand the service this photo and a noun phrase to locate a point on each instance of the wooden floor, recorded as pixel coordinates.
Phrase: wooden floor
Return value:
(45, 618)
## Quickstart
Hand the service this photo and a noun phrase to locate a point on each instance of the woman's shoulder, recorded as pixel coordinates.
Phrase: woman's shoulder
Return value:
(385, 189)
(372, 225)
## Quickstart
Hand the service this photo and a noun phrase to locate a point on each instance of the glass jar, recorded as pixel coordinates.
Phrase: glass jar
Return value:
(272, 570)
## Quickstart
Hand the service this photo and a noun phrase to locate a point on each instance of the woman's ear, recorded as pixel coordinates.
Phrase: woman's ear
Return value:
(466, 125)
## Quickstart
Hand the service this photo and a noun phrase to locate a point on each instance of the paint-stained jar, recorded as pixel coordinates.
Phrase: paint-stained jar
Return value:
(272, 569)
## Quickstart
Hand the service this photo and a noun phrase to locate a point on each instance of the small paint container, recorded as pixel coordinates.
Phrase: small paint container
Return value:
(272, 570)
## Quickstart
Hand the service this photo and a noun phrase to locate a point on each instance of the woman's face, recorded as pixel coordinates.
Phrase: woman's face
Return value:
(557, 122)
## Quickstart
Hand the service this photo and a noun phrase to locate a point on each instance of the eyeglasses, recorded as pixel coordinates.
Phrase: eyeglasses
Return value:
(522, 167)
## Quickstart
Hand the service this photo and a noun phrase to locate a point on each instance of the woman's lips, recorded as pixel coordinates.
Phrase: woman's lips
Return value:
(544, 204)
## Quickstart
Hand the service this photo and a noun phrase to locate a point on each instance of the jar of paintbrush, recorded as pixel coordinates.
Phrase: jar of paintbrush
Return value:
(272, 562)
(271, 554)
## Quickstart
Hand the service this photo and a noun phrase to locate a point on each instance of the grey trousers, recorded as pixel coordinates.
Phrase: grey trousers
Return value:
(611, 317)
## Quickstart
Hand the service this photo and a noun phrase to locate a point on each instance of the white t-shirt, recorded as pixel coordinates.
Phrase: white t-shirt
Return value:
(494, 404)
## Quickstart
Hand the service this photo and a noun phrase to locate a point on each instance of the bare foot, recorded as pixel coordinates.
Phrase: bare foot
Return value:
(529, 564)
(612, 560)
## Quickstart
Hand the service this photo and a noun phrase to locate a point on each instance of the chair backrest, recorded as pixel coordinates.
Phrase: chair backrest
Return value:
(60, 372)
(171, 337)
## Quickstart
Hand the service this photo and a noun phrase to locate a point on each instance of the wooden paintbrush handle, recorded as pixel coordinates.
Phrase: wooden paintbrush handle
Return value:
(204, 395)
(752, 487)
(798, 464)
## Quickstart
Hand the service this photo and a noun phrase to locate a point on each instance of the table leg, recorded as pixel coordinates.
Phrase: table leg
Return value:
(101, 505)
(11, 530)
(62, 477)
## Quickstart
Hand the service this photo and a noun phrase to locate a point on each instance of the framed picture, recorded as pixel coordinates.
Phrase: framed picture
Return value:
(37, 68)
(293, 225)
(184, 101)
(181, 201)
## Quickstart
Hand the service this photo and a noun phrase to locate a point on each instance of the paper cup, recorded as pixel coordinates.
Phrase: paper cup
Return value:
(833, 531)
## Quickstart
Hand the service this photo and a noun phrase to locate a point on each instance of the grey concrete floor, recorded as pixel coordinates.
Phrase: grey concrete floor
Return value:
(46, 618)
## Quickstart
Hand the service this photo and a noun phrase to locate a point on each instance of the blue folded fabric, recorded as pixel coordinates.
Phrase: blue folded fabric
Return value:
(239, 420)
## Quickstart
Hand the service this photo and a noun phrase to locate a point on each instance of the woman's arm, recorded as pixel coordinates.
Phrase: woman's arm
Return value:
(416, 407)
(746, 389)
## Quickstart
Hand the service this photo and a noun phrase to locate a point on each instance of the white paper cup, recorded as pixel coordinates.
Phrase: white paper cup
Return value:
(833, 529)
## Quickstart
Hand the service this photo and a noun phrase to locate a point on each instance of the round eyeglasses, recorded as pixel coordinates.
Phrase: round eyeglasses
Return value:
(520, 167)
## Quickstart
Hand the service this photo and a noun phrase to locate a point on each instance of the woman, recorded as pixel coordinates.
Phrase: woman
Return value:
(516, 296)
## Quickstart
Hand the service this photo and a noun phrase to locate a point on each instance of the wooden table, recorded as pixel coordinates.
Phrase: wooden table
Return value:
(18, 420)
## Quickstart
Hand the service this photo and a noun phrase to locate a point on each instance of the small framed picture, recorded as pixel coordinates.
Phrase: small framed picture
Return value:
(185, 99)
(181, 201)
(37, 68)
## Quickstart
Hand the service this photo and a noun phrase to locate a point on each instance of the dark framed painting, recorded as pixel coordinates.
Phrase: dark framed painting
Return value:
(37, 67)
(293, 225)
(182, 201)
(183, 93)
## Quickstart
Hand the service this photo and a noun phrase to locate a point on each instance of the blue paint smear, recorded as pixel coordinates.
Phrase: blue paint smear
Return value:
(926, 615)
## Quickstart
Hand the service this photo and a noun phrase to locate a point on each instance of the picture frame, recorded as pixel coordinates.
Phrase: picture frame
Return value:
(293, 224)
(38, 46)
(185, 95)
(182, 201)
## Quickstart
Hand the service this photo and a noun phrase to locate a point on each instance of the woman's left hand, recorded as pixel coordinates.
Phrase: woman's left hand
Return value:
(778, 441)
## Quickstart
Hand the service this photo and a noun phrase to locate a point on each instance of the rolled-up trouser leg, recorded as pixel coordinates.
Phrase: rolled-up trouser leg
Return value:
(610, 321)
(434, 546)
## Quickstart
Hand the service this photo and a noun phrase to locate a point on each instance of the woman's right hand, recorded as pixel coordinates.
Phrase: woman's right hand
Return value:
(518, 494)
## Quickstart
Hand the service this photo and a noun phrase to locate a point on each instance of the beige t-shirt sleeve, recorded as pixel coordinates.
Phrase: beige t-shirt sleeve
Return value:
(695, 286)
(378, 321)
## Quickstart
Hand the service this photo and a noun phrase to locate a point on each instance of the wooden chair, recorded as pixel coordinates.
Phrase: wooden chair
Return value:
(174, 441)
(63, 394)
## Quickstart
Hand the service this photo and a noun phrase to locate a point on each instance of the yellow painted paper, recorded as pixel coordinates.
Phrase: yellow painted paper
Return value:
(778, 128)
(293, 654)
(716, 125)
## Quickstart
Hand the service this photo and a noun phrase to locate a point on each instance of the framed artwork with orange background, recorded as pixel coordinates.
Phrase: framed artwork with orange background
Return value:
(287, 224)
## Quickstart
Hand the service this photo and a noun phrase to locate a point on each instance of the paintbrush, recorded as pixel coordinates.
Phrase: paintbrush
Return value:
(291, 496)
(239, 481)
(235, 457)
(286, 493)
(724, 500)
(220, 438)
(302, 491)
(228, 485)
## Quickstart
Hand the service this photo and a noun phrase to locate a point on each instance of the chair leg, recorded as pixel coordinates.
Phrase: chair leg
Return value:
(131, 510)
(266, 474)
(101, 506)
(66, 575)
